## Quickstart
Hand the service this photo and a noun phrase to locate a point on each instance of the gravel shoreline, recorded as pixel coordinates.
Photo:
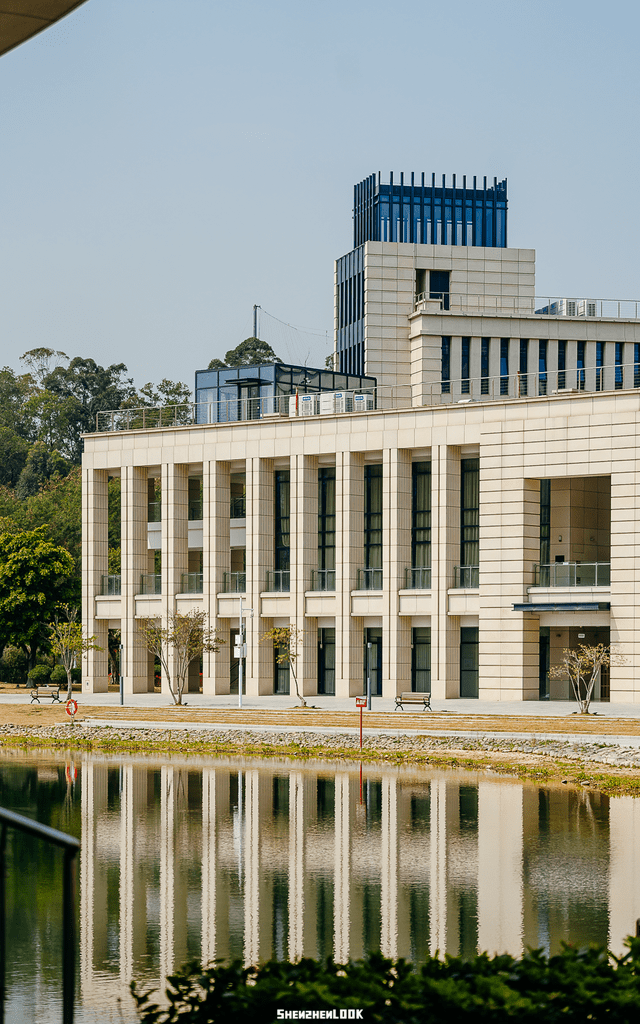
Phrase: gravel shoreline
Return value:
(87, 736)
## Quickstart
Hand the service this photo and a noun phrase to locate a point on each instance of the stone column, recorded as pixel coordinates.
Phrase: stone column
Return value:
(445, 548)
(304, 559)
(500, 846)
(625, 562)
(396, 556)
(624, 870)
(296, 865)
(349, 558)
(389, 868)
(216, 560)
(509, 548)
(134, 518)
(260, 558)
(342, 870)
(95, 545)
(175, 555)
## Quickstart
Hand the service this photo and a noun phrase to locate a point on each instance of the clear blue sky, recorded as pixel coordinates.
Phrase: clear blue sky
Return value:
(167, 163)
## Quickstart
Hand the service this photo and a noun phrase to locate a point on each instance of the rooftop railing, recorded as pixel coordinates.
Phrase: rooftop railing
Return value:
(573, 574)
(528, 305)
(612, 377)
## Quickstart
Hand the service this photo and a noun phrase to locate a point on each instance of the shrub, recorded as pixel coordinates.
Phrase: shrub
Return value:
(76, 675)
(39, 675)
(574, 986)
(59, 676)
(13, 666)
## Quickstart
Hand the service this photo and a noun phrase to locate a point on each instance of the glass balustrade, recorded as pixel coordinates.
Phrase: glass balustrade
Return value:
(466, 577)
(417, 579)
(573, 574)
(369, 579)
(323, 579)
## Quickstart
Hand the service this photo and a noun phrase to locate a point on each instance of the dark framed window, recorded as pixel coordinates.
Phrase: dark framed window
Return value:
(562, 365)
(327, 661)
(545, 521)
(504, 366)
(470, 512)
(599, 365)
(281, 675)
(542, 367)
(484, 366)
(636, 364)
(373, 516)
(446, 365)
(372, 660)
(464, 366)
(421, 660)
(439, 285)
(619, 379)
(523, 366)
(469, 662)
(421, 515)
(580, 375)
(283, 520)
(327, 518)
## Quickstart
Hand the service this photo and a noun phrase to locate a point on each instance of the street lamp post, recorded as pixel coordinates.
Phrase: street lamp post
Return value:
(240, 650)
(369, 677)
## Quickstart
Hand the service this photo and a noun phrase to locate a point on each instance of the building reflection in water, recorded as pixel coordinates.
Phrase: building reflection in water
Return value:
(241, 860)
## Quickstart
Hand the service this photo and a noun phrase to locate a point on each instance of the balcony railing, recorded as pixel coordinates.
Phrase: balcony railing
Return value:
(323, 579)
(466, 577)
(151, 583)
(234, 583)
(191, 583)
(417, 579)
(195, 511)
(278, 580)
(111, 586)
(238, 508)
(369, 579)
(573, 574)
(155, 512)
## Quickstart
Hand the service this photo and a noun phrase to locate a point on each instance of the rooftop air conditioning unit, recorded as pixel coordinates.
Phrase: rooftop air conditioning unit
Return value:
(565, 307)
(307, 405)
(328, 402)
(587, 307)
(362, 403)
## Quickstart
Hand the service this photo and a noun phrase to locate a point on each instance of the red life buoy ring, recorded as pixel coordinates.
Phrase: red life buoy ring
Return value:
(71, 707)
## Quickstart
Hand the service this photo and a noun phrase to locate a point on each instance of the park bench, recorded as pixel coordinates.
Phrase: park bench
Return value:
(45, 691)
(413, 698)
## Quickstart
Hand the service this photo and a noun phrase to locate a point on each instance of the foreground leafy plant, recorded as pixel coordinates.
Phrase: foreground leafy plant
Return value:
(575, 986)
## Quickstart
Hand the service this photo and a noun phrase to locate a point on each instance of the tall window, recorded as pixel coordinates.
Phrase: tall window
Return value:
(446, 365)
(580, 377)
(618, 370)
(636, 365)
(421, 516)
(523, 366)
(562, 365)
(421, 660)
(504, 366)
(464, 366)
(599, 365)
(439, 285)
(542, 367)
(545, 521)
(470, 512)
(373, 516)
(326, 518)
(484, 366)
(327, 661)
(282, 520)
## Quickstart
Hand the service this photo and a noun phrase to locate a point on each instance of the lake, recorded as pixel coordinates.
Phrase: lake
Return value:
(201, 858)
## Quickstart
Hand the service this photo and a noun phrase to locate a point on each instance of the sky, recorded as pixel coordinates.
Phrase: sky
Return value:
(167, 164)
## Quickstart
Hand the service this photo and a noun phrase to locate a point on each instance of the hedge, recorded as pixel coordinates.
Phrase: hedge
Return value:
(577, 985)
(39, 675)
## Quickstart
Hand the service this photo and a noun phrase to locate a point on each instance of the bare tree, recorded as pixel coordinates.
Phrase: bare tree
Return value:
(68, 643)
(286, 640)
(582, 665)
(185, 637)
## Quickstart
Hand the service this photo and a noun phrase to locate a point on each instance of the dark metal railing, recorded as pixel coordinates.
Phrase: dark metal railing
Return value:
(151, 583)
(278, 581)
(191, 583)
(369, 579)
(417, 579)
(323, 579)
(573, 574)
(234, 582)
(238, 508)
(111, 586)
(466, 577)
(8, 819)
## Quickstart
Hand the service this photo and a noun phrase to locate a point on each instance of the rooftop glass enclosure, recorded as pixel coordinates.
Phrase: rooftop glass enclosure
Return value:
(278, 389)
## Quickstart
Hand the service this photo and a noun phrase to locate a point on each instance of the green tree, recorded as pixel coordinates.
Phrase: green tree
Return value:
(36, 579)
(15, 450)
(250, 352)
(166, 393)
(68, 643)
(14, 393)
(41, 465)
(185, 638)
(286, 640)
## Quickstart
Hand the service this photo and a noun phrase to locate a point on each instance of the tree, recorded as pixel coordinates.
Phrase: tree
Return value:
(15, 450)
(41, 465)
(43, 361)
(185, 638)
(68, 643)
(250, 352)
(286, 640)
(36, 579)
(583, 665)
(164, 394)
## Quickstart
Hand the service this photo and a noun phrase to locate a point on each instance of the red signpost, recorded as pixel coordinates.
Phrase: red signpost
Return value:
(361, 702)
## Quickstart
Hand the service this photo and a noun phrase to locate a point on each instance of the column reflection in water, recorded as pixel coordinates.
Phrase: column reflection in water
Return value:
(263, 860)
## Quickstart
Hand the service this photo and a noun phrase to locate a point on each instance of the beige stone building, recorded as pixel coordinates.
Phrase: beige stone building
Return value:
(449, 526)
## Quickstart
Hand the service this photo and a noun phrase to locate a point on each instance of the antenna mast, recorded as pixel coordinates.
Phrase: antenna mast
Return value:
(255, 320)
